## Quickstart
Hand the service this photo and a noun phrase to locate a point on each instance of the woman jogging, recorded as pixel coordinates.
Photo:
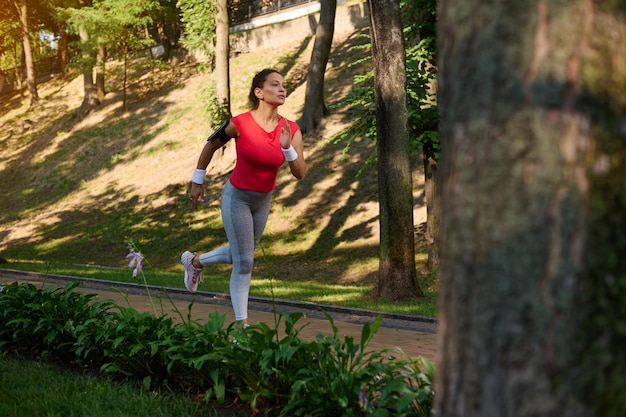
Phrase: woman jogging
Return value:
(264, 140)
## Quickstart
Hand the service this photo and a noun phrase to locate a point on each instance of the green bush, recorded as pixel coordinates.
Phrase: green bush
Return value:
(45, 322)
(281, 375)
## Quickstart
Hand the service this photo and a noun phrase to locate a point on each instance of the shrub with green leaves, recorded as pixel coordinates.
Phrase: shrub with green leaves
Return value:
(334, 376)
(197, 355)
(137, 345)
(45, 322)
(277, 372)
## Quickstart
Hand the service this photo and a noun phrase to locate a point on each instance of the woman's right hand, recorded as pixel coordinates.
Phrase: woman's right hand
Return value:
(285, 134)
(197, 194)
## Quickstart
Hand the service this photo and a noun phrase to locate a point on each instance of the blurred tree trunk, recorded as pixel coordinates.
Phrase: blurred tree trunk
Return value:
(532, 319)
(16, 67)
(164, 38)
(63, 53)
(433, 207)
(89, 98)
(315, 109)
(100, 68)
(397, 274)
(222, 59)
(87, 63)
(31, 77)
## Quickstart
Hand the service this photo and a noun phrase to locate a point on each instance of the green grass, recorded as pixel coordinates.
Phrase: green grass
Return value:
(312, 291)
(30, 388)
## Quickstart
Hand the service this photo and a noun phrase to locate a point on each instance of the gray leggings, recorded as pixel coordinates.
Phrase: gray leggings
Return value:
(244, 214)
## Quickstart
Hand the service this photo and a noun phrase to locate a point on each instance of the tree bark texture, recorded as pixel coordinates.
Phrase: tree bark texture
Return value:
(315, 109)
(397, 274)
(89, 99)
(63, 53)
(16, 68)
(533, 273)
(31, 78)
(100, 71)
(433, 209)
(87, 63)
(222, 52)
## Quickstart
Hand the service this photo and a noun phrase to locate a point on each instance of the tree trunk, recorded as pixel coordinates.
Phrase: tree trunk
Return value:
(87, 63)
(125, 78)
(397, 275)
(315, 109)
(18, 72)
(222, 52)
(433, 208)
(165, 40)
(63, 53)
(532, 316)
(89, 99)
(100, 67)
(31, 78)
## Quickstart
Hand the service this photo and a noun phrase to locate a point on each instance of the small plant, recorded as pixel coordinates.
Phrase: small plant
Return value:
(217, 112)
(136, 260)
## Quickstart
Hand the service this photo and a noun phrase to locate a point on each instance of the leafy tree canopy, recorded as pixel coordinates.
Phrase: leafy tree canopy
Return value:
(198, 19)
(114, 23)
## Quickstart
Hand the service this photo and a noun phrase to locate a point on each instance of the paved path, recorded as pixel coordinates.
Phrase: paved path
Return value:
(414, 335)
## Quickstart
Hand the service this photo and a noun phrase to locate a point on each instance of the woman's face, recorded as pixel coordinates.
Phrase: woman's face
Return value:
(274, 90)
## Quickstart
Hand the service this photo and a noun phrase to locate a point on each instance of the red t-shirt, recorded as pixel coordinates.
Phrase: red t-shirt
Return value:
(259, 154)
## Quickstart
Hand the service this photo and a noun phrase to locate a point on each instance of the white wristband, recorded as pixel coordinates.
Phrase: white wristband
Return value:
(198, 176)
(290, 154)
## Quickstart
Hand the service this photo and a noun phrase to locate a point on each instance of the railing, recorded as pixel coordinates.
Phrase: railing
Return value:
(245, 10)
(44, 68)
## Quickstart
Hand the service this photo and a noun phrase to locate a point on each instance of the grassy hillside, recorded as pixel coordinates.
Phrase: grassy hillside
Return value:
(77, 191)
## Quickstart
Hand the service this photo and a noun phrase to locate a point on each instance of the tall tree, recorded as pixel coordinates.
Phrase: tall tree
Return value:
(397, 275)
(85, 28)
(314, 106)
(125, 23)
(222, 59)
(31, 77)
(63, 50)
(65, 38)
(101, 55)
(419, 17)
(115, 24)
(533, 272)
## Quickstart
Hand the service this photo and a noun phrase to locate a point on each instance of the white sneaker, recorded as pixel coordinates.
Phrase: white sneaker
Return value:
(193, 275)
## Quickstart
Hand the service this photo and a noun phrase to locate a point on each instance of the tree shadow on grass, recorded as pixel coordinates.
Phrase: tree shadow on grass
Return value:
(34, 178)
(98, 233)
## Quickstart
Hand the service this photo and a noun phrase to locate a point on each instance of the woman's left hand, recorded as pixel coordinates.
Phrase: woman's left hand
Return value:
(285, 134)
